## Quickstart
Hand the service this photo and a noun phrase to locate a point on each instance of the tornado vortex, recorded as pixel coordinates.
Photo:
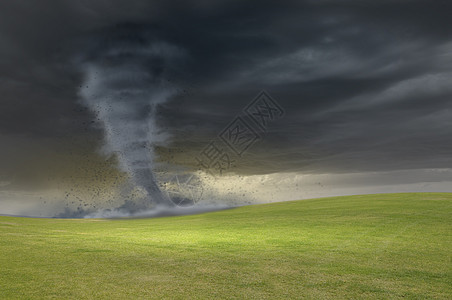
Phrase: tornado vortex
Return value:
(125, 79)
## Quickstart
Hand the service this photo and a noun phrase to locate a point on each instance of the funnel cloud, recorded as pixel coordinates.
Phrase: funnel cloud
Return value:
(125, 81)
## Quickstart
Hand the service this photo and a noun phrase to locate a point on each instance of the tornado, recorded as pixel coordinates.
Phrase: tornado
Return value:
(125, 79)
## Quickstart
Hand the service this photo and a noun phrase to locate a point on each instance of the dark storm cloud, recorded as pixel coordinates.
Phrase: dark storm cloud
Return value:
(365, 84)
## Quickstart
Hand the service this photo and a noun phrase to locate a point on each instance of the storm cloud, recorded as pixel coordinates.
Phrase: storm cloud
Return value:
(365, 84)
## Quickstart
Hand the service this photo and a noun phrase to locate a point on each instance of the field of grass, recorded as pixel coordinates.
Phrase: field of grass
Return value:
(357, 247)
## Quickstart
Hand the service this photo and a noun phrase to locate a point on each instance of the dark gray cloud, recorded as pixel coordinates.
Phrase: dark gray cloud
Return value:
(365, 84)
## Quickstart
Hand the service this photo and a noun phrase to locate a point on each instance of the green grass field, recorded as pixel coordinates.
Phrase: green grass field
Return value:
(358, 247)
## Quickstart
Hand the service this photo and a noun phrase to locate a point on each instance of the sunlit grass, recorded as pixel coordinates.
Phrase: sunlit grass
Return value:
(373, 246)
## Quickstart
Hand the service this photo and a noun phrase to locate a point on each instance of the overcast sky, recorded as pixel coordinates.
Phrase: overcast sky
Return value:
(365, 85)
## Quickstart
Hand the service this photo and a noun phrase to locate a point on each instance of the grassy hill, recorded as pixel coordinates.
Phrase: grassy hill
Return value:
(372, 246)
